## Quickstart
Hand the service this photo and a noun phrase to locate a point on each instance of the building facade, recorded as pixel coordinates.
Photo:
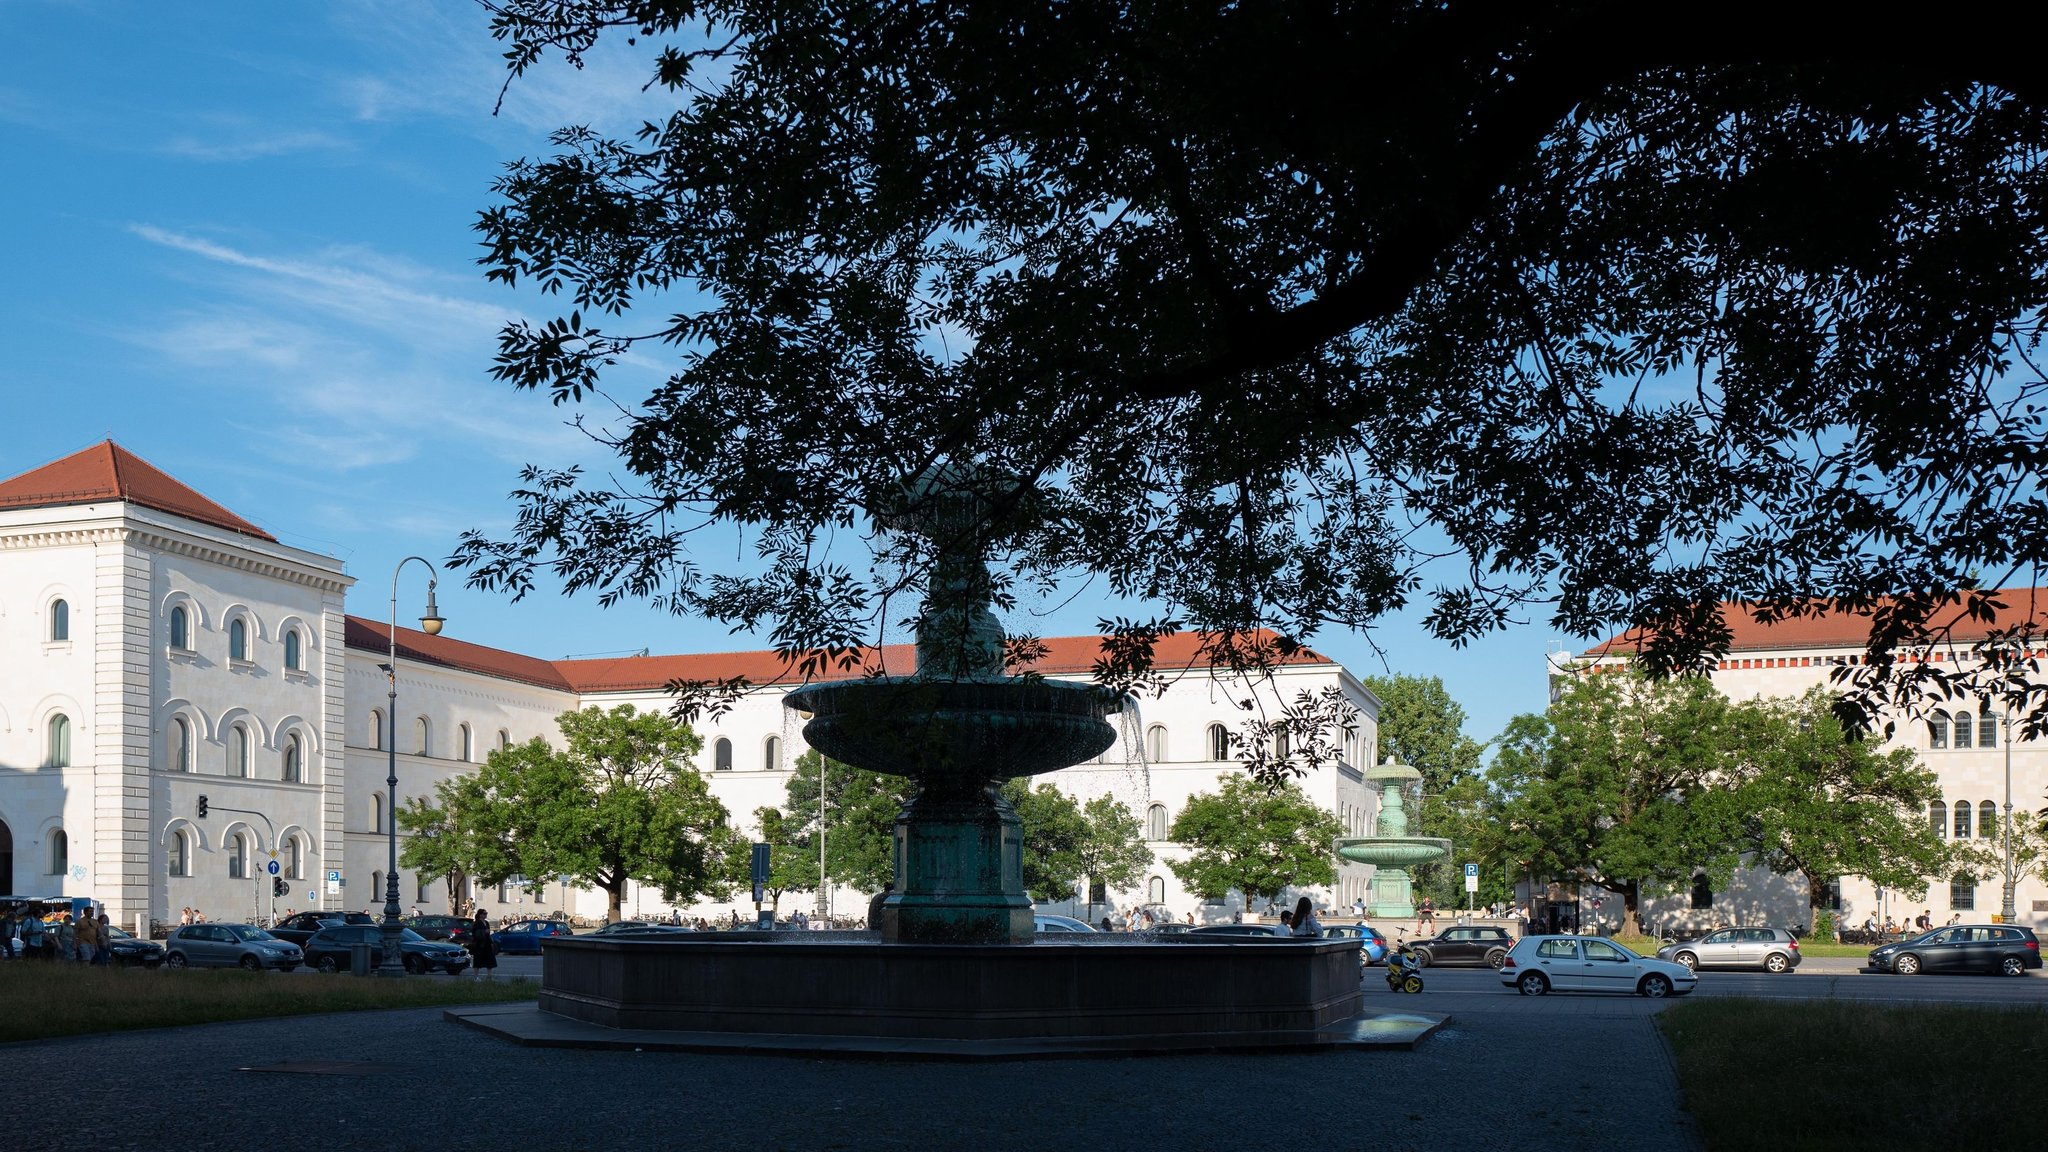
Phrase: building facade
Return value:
(168, 650)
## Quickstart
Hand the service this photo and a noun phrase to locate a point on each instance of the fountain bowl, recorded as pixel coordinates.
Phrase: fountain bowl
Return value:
(1393, 851)
(976, 730)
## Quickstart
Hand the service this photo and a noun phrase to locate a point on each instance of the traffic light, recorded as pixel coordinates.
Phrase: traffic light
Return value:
(202, 807)
(277, 887)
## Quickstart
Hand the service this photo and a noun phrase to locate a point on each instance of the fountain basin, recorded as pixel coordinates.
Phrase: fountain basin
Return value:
(979, 730)
(1393, 851)
(1165, 992)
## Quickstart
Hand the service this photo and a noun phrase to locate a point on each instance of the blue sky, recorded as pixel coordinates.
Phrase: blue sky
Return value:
(238, 240)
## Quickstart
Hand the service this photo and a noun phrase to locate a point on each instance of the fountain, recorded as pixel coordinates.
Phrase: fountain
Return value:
(1393, 850)
(955, 969)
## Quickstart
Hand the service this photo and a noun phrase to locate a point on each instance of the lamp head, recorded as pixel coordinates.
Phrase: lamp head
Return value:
(432, 621)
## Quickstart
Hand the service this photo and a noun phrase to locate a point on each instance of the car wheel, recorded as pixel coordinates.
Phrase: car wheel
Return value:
(175, 960)
(1777, 963)
(412, 965)
(2013, 966)
(1532, 984)
(1691, 962)
(1656, 986)
(1496, 958)
(1907, 965)
(251, 964)
(1422, 957)
(327, 964)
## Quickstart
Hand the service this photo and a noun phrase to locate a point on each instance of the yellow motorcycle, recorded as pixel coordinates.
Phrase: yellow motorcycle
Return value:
(1404, 971)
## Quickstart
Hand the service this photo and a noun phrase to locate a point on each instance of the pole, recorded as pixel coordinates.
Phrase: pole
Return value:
(393, 963)
(2007, 911)
(824, 888)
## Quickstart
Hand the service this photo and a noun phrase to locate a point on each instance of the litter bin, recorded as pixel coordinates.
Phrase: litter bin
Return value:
(359, 958)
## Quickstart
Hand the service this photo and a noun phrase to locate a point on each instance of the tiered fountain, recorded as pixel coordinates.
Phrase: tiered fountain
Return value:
(955, 968)
(1393, 851)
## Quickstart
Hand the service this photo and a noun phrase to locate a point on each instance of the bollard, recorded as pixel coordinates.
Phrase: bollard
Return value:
(359, 958)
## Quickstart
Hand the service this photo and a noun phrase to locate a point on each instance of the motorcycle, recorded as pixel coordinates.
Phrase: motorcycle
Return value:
(1404, 971)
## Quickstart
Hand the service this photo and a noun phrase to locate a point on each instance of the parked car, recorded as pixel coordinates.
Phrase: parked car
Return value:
(229, 946)
(454, 929)
(1372, 947)
(329, 949)
(300, 926)
(641, 928)
(1540, 964)
(2001, 948)
(524, 936)
(1771, 949)
(1464, 945)
(1045, 922)
(131, 951)
(1211, 930)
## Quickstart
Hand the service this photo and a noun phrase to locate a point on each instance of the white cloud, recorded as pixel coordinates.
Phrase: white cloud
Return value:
(251, 145)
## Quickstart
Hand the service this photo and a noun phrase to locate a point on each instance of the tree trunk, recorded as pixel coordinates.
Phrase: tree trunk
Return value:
(1632, 908)
(458, 883)
(614, 898)
(1816, 896)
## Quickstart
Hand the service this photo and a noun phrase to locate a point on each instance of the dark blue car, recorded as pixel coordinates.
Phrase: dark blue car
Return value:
(522, 938)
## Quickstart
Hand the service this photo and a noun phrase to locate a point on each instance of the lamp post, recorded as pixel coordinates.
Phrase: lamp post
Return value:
(2007, 911)
(430, 623)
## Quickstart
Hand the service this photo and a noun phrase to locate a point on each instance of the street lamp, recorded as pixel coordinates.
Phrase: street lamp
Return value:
(394, 963)
(2007, 911)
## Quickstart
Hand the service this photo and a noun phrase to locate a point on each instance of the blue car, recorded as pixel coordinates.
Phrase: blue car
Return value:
(1372, 945)
(523, 937)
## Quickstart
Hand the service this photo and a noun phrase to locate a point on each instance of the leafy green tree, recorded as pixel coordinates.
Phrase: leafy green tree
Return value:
(460, 838)
(860, 819)
(1054, 831)
(1253, 838)
(1629, 323)
(792, 856)
(1422, 726)
(1625, 781)
(1112, 848)
(620, 802)
(1822, 803)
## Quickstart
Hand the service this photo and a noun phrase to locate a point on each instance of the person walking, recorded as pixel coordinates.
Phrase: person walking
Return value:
(1425, 916)
(33, 937)
(7, 930)
(85, 938)
(482, 949)
(104, 953)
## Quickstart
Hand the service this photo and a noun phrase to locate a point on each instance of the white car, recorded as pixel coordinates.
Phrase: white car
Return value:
(1537, 964)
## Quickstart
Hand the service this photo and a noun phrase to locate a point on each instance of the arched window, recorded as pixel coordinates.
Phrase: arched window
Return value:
(419, 888)
(60, 620)
(1702, 891)
(771, 754)
(425, 732)
(721, 755)
(1987, 820)
(1155, 890)
(294, 766)
(295, 858)
(1962, 730)
(181, 745)
(1155, 822)
(377, 729)
(1937, 818)
(179, 852)
(376, 811)
(463, 740)
(60, 741)
(1219, 742)
(180, 638)
(1155, 744)
(238, 857)
(238, 751)
(504, 738)
(238, 641)
(291, 649)
(1987, 730)
(1937, 730)
(1282, 746)
(1962, 825)
(377, 887)
(60, 853)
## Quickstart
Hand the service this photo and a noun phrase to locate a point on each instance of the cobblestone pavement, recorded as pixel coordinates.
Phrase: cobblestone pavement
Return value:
(1596, 1077)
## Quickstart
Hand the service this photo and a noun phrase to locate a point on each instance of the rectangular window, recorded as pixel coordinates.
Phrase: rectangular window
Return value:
(1962, 894)
(1987, 731)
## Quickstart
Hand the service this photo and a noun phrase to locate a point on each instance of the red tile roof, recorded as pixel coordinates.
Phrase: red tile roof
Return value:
(1066, 655)
(1840, 629)
(106, 471)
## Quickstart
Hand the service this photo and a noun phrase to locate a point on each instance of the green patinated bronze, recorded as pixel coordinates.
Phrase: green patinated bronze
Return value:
(959, 727)
(1392, 894)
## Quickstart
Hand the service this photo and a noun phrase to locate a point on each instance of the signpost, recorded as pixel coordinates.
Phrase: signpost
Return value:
(273, 868)
(763, 920)
(334, 881)
(1471, 887)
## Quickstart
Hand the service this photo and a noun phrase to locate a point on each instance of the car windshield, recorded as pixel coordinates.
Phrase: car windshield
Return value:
(247, 932)
(409, 934)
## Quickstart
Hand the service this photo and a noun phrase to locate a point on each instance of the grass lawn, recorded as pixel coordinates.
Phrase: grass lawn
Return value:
(39, 1000)
(1832, 1074)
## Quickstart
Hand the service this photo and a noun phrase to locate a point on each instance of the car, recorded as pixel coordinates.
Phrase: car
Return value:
(1045, 922)
(1171, 928)
(1464, 945)
(454, 929)
(331, 948)
(300, 926)
(229, 946)
(1771, 949)
(128, 950)
(524, 936)
(1540, 964)
(640, 928)
(2003, 948)
(1208, 931)
(1372, 944)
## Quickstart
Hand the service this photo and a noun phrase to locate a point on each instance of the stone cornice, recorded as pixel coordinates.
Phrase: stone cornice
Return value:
(141, 537)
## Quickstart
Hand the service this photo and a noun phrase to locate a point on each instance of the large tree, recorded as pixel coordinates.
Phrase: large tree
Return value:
(461, 837)
(620, 802)
(1623, 782)
(1257, 839)
(1253, 310)
(860, 819)
(1823, 803)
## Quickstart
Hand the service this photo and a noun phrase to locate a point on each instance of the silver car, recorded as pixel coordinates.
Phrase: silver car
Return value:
(229, 946)
(1771, 949)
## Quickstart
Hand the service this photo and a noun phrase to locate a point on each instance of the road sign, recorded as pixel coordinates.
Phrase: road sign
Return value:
(760, 872)
(1471, 877)
(333, 881)
(273, 868)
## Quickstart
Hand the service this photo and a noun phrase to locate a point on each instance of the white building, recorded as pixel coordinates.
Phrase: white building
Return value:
(1969, 751)
(165, 649)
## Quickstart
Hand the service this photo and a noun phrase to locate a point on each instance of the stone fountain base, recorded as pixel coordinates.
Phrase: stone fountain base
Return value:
(847, 991)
